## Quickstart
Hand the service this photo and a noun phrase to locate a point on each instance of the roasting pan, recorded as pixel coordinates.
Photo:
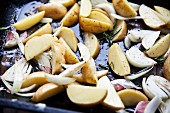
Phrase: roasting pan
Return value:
(10, 11)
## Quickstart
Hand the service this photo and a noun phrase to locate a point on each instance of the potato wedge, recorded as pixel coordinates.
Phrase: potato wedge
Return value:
(38, 45)
(89, 72)
(53, 10)
(92, 43)
(69, 37)
(70, 56)
(101, 11)
(167, 68)
(29, 21)
(72, 16)
(46, 91)
(151, 17)
(96, 15)
(112, 100)
(66, 3)
(164, 12)
(46, 29)
(85, 8)
(93, 26)
(58, 52)
(160, 48)
(123, 8)
(37, 78)
(131, 97)
(121, 30)
(86, 96)
(117, 60)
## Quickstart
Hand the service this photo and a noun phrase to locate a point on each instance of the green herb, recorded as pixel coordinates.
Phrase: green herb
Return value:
(103, 66)
(160, 59)
(111, 65)
(145, 51)
(4, 28)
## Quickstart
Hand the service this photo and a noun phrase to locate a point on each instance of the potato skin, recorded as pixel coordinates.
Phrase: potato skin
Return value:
(167, 68)
(55, 11)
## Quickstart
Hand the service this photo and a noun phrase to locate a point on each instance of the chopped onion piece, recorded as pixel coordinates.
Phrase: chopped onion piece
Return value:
(10, 40)
(25, 94)
(125, 18)
(27, 89)
(66, 66)
(139, 74)
(58, 31)
(127, 41)
(96, 2)
(7, 84)
(59, 80)
(84, 51)
(134, 6)
(46, 20)
(153, 105)
(141, 106)
(164, 107)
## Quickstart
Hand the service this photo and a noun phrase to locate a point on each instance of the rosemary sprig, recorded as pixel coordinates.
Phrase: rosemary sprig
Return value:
(103, 66)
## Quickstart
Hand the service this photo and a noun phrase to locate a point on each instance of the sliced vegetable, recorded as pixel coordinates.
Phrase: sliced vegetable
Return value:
(84, 51)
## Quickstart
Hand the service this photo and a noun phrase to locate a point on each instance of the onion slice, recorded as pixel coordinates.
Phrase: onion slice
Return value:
(27, 89)
(25, 94)
(125, 18)
(84, 51)
(58, 31)
(46, 20)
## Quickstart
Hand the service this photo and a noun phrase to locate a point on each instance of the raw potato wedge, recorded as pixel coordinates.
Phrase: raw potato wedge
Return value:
(69, 37)
(46, 91)
(29, 21)
(112, 100)
(151, 17)
(131, 97)
(93, 26)
(117, 60)
(123, 8)
(70, 56)
(66, 3)
(101, 11)
(53, 10)
(121, 30)
(58, 52)
(72, 16)
(87, 96)
(160, 48)
(167, 68)
(85, 8)
(92, 43)
(38, 45)
(164, 12)
(101, 17)
(89, 72)
(46, 29)
(37, 78)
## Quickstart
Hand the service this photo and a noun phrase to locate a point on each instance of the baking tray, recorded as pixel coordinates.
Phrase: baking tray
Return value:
(10, 11)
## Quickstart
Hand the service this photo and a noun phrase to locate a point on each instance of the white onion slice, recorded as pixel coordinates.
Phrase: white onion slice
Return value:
(19, 42)
(58, 30)
(134, 6)
(46, 20)
(10, 40)
(164, 107)
(25, 94)
(27, 89)
(127, 41)
(84, 51)
(59, 80)
(96, 2)
(125, 18)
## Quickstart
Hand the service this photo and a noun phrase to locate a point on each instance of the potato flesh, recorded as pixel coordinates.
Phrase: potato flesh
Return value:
(86, 95)
(117, 60)
(167, 68)
(66, 3)
(37, 45)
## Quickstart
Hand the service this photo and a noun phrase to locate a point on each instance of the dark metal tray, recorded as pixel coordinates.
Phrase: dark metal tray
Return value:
(9, 11)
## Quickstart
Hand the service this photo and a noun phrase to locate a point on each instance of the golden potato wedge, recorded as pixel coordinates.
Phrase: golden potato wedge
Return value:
(37, 45)
(86, 96)
(112, 100)
(53, 10)
(164, 12)
(29, 21)
(70, 56)
(131, 97)
(46, 91)
(121, 30)
(160, 48)
(117, 60)
(89, 72)
(46, 29)
(93, 26)
(151, 17)
(96, 15)
(99, 74)
(69, 37)
(37, 78)
(123, 8)
(72, 16)
(58, 52)
(85, 8)
(167, 68)
(92, 43)
(66, 3)
(101, 11)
